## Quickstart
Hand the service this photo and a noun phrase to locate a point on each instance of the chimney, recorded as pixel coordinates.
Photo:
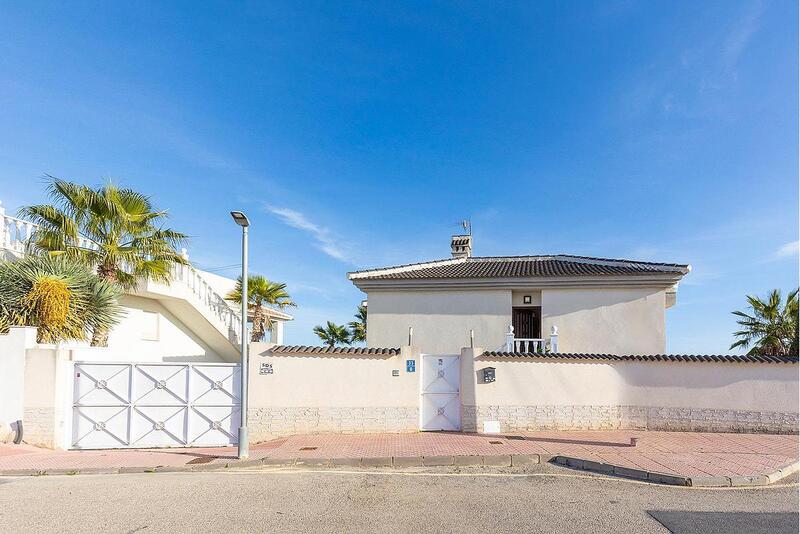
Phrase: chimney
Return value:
(461, 246)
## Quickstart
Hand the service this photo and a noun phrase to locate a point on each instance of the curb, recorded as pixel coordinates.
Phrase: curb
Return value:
(398, 462)
(386, 461)
(742, 481)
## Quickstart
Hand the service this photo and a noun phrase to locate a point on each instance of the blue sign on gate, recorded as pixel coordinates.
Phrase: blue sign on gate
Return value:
(411, 366)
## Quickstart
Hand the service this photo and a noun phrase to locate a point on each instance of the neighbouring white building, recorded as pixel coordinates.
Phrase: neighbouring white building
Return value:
(556, 302)
(176, 343)
(186, 320)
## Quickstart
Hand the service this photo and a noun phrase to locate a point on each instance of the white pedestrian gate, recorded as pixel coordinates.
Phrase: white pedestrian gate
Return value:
(441, 401)
(123, 405)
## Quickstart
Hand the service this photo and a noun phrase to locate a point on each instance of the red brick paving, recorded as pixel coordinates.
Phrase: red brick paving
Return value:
(27, 457)
(674, 453)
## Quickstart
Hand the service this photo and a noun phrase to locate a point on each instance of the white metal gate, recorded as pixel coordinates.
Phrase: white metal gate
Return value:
(122, 405)
(441, 400)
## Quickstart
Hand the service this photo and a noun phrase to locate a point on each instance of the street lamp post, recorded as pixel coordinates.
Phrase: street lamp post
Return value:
(241, 219)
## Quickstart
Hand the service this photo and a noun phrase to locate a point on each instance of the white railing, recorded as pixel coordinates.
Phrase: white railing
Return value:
(531, 345)
(16, 233)
(205, 295)
(522, 344)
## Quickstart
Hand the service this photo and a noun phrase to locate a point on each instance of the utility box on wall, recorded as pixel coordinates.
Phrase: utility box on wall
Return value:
(488, 374)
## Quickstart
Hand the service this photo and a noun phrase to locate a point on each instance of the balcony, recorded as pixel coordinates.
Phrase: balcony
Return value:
(531, 345)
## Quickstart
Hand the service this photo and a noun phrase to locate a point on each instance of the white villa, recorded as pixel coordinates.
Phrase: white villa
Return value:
(558, 302)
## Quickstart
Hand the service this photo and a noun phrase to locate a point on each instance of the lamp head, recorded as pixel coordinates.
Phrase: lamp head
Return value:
(240, 218)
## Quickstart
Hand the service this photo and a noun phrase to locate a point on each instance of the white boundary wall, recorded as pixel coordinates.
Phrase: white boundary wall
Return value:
(539, 393)
(306, 393)
(327, 392)
(12, 378)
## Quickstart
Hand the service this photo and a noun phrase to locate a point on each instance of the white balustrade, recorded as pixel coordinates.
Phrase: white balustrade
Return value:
(14, 233)
(530, 345)
(204, 295)
(522, 344)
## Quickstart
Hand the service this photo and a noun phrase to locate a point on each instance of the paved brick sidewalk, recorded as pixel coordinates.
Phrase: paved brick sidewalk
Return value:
(673, 453)
(683, 454)
(26, 457)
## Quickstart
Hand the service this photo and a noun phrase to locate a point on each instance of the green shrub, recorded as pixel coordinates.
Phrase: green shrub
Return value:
(62, 298)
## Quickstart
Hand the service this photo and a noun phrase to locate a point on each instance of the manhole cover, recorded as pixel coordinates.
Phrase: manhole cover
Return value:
(201, 460)
(308, 448)
(496, 442)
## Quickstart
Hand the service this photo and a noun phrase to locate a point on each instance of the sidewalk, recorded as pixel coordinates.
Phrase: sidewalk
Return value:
(682, 458)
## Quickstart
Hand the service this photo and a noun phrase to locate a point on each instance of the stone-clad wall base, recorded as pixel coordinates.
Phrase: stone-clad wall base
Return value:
(514, 418)
(38, 426)
(267, 423)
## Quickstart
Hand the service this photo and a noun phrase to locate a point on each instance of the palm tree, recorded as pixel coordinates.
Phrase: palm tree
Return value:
(771, 328)
(64, 299)
(115, 231)
(261, 292)
(358, 328)
(331, 334)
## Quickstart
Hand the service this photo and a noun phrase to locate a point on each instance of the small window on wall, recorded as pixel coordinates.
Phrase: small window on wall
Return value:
(150, 326)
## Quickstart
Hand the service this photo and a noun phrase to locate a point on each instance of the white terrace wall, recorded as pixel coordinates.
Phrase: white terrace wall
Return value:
(331, 393)
(533, 394)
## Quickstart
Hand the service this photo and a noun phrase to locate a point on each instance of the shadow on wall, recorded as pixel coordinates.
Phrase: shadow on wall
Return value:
(699, 375)
(126, 338)
(711, 386)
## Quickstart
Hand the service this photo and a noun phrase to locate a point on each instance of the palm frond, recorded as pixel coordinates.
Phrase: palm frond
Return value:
(771, 327)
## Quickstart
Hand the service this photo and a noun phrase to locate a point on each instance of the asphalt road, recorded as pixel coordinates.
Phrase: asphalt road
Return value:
(544, 499)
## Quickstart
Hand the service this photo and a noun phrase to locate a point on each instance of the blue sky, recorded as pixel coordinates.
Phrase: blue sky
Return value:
(359, 134)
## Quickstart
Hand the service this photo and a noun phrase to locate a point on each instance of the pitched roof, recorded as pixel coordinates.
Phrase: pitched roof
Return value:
(557, 266)
(697, 358)
(356, 351)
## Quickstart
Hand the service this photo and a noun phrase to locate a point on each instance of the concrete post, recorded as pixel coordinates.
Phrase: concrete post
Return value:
(554, 339)
(510, 339)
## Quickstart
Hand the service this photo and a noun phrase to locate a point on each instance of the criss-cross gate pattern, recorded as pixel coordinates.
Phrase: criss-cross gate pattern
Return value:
(441, 402)
(119, 405)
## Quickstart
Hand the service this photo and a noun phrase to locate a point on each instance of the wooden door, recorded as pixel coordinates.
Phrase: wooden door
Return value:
(527, 322)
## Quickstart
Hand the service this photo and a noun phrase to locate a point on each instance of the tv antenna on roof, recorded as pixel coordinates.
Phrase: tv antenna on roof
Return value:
(466, 224)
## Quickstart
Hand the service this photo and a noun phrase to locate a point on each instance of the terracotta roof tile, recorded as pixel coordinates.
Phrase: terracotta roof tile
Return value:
(519, 267)
(356, 351)
(699, 358)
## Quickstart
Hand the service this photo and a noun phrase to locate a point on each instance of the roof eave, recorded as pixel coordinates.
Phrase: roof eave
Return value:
(660, 280)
